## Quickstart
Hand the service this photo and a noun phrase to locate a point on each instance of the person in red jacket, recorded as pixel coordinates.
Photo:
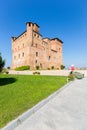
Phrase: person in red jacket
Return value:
(72, 68)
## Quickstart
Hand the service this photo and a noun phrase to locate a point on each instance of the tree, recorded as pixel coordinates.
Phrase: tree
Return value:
(2, 63)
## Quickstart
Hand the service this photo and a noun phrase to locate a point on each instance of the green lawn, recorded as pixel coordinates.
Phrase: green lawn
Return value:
(18, 93)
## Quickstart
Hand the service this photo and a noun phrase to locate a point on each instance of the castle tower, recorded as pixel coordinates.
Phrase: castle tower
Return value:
(32, 26)
(29, 48)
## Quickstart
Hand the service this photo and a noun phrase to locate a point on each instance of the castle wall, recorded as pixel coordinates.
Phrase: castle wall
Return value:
(31, 49)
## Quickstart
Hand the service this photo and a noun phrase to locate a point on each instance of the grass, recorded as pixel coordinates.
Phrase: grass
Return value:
(18, 93)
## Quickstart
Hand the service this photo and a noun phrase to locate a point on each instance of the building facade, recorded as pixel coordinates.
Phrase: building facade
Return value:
(31, 49)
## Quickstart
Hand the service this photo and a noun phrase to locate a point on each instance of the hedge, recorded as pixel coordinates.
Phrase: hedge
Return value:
(21, 68)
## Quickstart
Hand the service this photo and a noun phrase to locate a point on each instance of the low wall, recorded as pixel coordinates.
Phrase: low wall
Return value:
(48, 72)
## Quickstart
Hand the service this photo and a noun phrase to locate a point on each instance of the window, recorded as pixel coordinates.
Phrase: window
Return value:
(36, 53)
(14, 57)
(18, 55)
(49, 58)
(37, 36)
(59, 49)
(18, 47)
(23, 45)
(36, 61)
(40, 65)
(23, 54)
(36, 45)
(34, 34)
(32, 44)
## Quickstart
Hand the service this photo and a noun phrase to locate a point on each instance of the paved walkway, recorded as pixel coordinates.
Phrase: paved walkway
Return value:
(66, 111)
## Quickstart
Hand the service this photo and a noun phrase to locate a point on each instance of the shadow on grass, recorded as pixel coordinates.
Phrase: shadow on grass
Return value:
(5, 81)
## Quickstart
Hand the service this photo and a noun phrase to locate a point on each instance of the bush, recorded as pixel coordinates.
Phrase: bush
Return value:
(71, 76)
(21, 68)
(62, 67)
(37, 67)
(8, 67)
(52, 67)
(36, 73)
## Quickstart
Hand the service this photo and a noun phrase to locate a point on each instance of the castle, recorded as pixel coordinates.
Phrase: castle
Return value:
(31, 49)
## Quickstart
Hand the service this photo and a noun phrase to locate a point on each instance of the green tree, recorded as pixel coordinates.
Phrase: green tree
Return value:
(2, 63)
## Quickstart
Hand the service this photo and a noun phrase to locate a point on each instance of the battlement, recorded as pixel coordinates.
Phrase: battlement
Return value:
(32, 26)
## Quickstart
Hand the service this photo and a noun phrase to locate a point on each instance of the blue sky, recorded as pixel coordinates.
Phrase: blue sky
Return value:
(65, 19)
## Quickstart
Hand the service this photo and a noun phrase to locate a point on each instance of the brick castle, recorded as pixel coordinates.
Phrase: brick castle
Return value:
(31, 49)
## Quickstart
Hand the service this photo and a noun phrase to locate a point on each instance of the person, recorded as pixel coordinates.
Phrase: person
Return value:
(72, 68)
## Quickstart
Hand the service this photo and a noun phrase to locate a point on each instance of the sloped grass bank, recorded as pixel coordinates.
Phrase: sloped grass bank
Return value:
(18, 93)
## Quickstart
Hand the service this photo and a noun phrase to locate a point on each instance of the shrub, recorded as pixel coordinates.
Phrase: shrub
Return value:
(8, 67)
(36, 73)
(62, 67)
(52, 67)
(21, 68)
(37, 67)
(71, 76)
